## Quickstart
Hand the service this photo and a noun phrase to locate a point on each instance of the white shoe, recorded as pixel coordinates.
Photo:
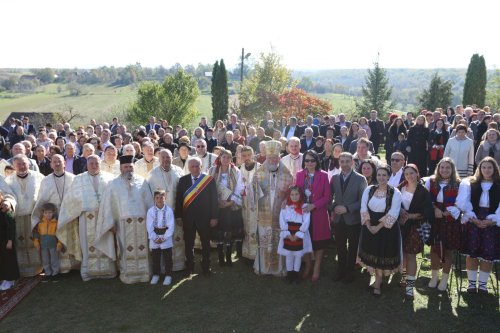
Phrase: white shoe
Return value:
(433, 282)
(167, 281)
(155, 279)
(443, 284)
(2, 286)
(6, 285)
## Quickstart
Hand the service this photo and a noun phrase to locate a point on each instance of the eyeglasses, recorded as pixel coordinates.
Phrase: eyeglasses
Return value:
(396, 160)
(200, 146)
(79, 133)
(309, 161)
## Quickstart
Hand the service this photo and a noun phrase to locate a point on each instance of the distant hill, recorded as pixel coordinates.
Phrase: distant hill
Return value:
(406, 83)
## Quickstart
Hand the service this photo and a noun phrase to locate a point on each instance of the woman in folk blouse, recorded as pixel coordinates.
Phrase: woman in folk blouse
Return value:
(445, 234)
(478, 198)
(416, 209)
(380, 241)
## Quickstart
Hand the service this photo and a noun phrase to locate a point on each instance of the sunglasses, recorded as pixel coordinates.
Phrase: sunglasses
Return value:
(200, 146)
(309, 161)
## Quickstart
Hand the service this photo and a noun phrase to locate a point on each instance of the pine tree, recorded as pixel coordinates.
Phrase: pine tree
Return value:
(437, 96)
(475, 82)
(220, 98)
(376, 92)
(212, 89)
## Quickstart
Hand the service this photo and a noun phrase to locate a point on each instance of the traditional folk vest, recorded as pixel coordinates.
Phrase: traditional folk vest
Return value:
(450, 193)
(388, 198)
(297, 244)
(475, 195)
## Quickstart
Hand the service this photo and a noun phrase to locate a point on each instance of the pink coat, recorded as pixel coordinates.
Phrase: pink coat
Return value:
(321, 198)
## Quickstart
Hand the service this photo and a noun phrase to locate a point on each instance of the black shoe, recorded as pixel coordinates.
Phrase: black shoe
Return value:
(239, 250)
(207, 272)
(229, 261)
(289, 276)
(46, 278)
(349, 277)
(220, 252)
(189, 268)
(55, 278)
(338, 276)
(296, 277)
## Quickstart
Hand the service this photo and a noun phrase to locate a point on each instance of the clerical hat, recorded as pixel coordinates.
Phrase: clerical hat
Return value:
(126, 159)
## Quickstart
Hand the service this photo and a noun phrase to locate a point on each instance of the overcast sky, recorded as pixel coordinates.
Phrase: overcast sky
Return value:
(309, 34)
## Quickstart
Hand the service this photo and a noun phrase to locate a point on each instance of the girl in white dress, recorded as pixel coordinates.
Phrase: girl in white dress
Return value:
(295, 240)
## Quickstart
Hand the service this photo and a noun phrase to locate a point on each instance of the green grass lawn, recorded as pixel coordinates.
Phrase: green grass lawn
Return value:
(101, 102)
(236, 300)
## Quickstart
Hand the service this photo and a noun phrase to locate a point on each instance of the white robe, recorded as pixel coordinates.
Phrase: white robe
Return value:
(80, 208)
(141, 167)
(111, 169)
(249, 211)
(124, 205)
(294, 165)
(28, 257)
(49, 193)
(161, 180)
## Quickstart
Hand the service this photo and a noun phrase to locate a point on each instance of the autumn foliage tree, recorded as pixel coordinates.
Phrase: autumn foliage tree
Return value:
(296, 102)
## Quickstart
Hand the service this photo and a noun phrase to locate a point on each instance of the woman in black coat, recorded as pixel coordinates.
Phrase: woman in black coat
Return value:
(437, 141)
(417, 144)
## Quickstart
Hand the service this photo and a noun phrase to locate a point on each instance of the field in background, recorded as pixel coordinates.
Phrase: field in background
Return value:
(103, 102)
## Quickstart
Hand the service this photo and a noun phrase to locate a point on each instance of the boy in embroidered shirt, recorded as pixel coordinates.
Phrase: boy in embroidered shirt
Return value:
(46, 242)
(160, 224)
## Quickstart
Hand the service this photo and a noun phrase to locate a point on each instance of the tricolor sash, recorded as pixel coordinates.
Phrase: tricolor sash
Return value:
(195, 189)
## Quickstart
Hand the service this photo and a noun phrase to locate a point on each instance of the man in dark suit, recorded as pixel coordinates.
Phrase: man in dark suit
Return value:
(308, 142)
(233, 123)
(377, 128)
(28, 128)
(152, 125)
(196, 209)
(114, 126)
(342, 122)
(309, 123)
(347, 188)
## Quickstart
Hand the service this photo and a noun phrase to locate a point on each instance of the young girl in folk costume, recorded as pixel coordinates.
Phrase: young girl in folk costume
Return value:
(46, 242)
(229, 188)
(294, 236)
(445, 233)
(478, 198)
(160, 226)
(9, 270)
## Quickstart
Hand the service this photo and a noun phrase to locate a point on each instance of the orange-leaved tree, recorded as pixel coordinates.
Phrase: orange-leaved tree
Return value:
(296, 102)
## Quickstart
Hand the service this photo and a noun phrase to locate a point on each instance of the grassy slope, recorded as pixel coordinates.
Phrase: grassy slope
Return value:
(237, 300)
(99, 101)
(103, 102)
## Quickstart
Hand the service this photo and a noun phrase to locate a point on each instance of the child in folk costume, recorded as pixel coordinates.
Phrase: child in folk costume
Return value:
(160, 226)
(478, 199)
(295, 240)
(46, 242)
(9, 269)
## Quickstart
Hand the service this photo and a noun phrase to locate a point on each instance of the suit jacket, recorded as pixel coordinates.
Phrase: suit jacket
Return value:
(353, 146)
(350, 197)
(378, 129)
(201, 210)
(347, 143)
(29, 130)
(149, 127)
(315, 129)
(304, 147)
(298, 131)
(79, 165)
(320, 198)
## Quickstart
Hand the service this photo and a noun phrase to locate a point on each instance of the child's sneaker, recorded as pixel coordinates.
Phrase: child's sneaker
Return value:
(167, 281)
(155, 279)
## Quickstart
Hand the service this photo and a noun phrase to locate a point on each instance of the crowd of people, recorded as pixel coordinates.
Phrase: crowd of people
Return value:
(108, 201)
